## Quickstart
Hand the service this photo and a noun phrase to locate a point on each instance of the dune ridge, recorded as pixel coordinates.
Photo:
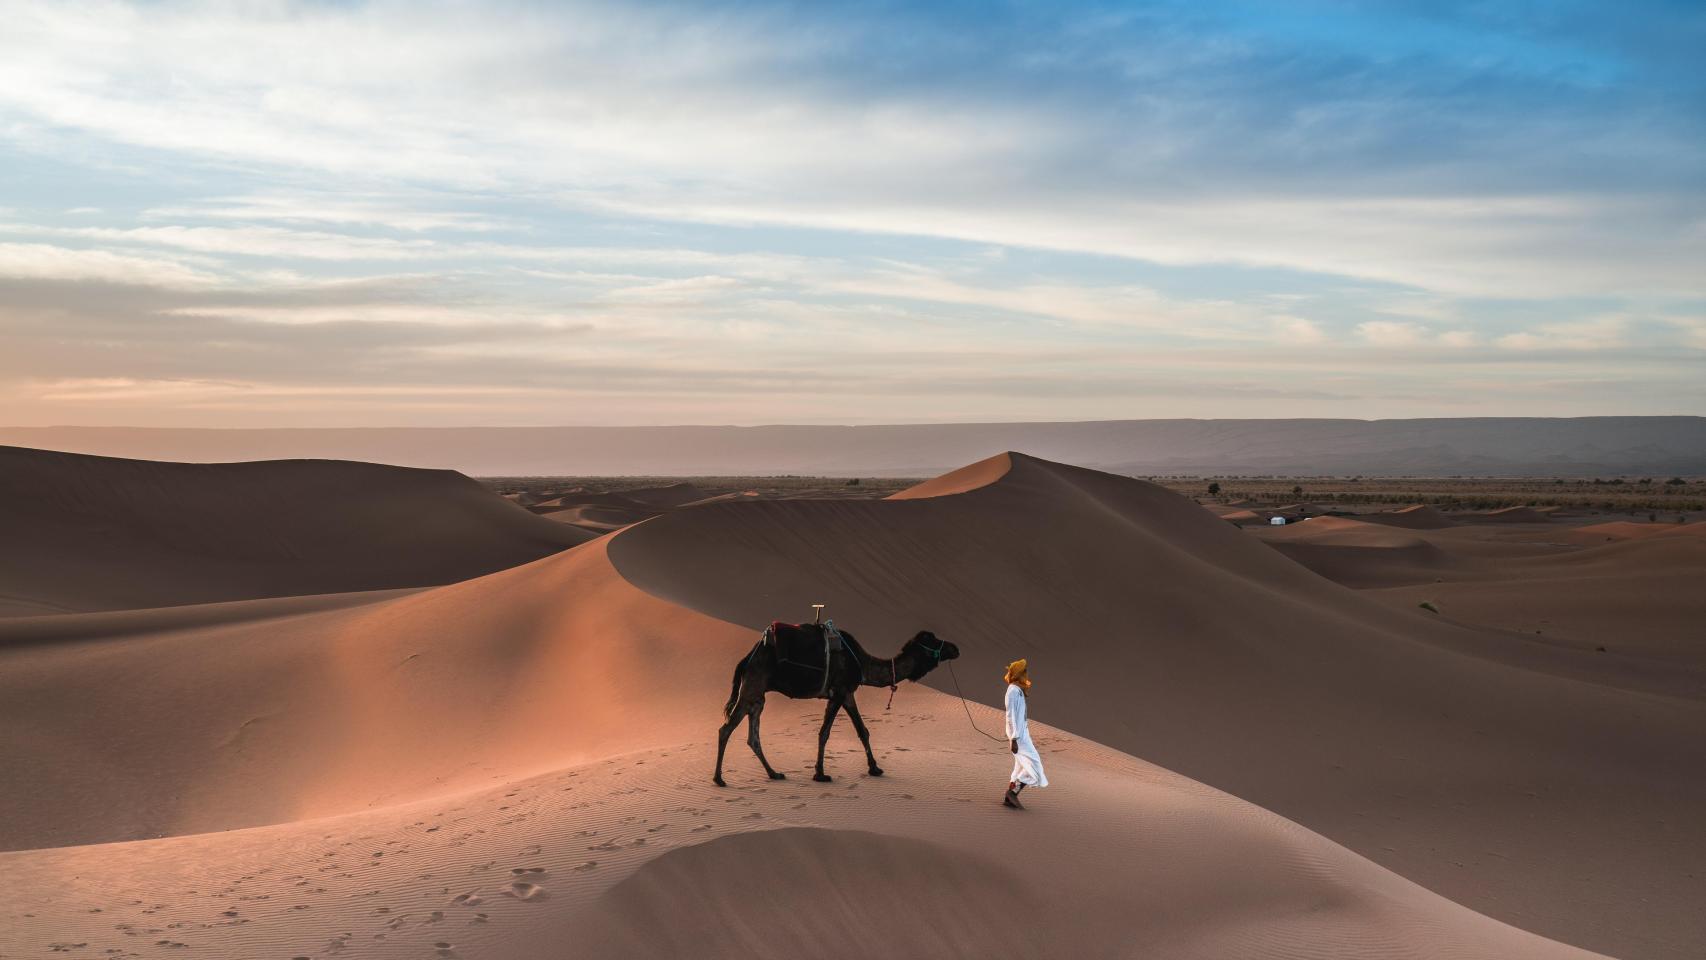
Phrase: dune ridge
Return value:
(93, 533)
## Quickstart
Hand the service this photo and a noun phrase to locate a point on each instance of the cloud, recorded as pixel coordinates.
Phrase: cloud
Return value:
(644, 212)
(273, 242)
(1390, 333)
(39, 261)
(1602, 333)
(1158, 139)
(1693, 330)
(398, 212)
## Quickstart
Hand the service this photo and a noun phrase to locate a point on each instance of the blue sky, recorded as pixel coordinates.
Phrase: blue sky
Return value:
(368, 214)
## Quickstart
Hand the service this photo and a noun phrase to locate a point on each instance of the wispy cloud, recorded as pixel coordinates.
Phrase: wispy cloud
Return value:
(1026, 211)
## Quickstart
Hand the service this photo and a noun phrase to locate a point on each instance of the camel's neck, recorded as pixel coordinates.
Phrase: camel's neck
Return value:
(883, 673)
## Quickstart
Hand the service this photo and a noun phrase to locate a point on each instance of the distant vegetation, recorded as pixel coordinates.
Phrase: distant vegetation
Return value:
(1628, 495)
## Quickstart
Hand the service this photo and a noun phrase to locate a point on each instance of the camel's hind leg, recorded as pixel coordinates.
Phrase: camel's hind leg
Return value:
(752, 740)
(736, 714)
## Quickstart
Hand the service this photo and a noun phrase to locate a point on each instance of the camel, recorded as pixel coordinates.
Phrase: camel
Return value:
(817, 661)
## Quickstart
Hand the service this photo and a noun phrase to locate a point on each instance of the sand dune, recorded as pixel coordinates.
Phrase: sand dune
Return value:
(1505, 515)
(1183, 641)
(257, 721)
(1419, 517)
(90, 533)
(1629, 530)
(1635, 603)
(1359, 554)
(496, 767)
(636, 854)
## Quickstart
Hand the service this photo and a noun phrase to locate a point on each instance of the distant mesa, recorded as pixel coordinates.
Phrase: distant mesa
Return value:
(1476, 446)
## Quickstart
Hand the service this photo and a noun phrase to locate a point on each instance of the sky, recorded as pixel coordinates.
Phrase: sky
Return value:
(424, 213)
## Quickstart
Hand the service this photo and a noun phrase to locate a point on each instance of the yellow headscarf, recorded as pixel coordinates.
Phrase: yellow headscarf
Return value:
(1017, 673)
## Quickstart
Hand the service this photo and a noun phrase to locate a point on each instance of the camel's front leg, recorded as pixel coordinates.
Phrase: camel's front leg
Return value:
(823, 736)
(852, 709)
(758, 748)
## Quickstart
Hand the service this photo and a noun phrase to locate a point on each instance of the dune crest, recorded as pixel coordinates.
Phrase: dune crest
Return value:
(965, 479)
(92, 533)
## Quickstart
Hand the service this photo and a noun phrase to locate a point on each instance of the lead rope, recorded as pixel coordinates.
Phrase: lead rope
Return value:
(894, 684)
(962, 697)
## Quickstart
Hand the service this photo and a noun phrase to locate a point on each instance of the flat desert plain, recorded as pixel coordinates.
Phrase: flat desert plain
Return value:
(304, 709)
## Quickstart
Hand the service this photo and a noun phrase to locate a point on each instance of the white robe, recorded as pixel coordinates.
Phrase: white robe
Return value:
(1027, 764)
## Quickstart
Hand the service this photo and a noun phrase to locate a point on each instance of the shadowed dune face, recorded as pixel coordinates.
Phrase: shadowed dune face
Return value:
(788, 893)
(1163, 631)
(91, 533)
(789, 888)
(1364, 555)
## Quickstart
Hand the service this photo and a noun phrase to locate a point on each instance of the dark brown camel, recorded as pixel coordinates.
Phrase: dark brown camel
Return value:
(812, 661)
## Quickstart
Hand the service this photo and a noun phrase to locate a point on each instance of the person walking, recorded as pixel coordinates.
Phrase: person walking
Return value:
(1027, 764)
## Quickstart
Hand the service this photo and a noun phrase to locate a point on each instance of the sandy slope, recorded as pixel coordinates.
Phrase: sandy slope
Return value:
(1360, 554)
(508, 765)
(636, 854)
(209, 726)
(1627, 530)
(1632, 597)
(1498, 774)
(91, 533)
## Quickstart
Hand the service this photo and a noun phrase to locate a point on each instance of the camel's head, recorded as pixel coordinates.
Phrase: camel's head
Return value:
(928, 653)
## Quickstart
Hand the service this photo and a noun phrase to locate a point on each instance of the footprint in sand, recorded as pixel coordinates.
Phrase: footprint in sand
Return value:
(444, 948)
(522, 890)
(589, 865)
(704, 828)
(531, 849)
(521, 871)
(467, 899)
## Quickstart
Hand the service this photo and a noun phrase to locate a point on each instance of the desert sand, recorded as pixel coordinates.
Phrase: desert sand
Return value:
(1249, 759)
